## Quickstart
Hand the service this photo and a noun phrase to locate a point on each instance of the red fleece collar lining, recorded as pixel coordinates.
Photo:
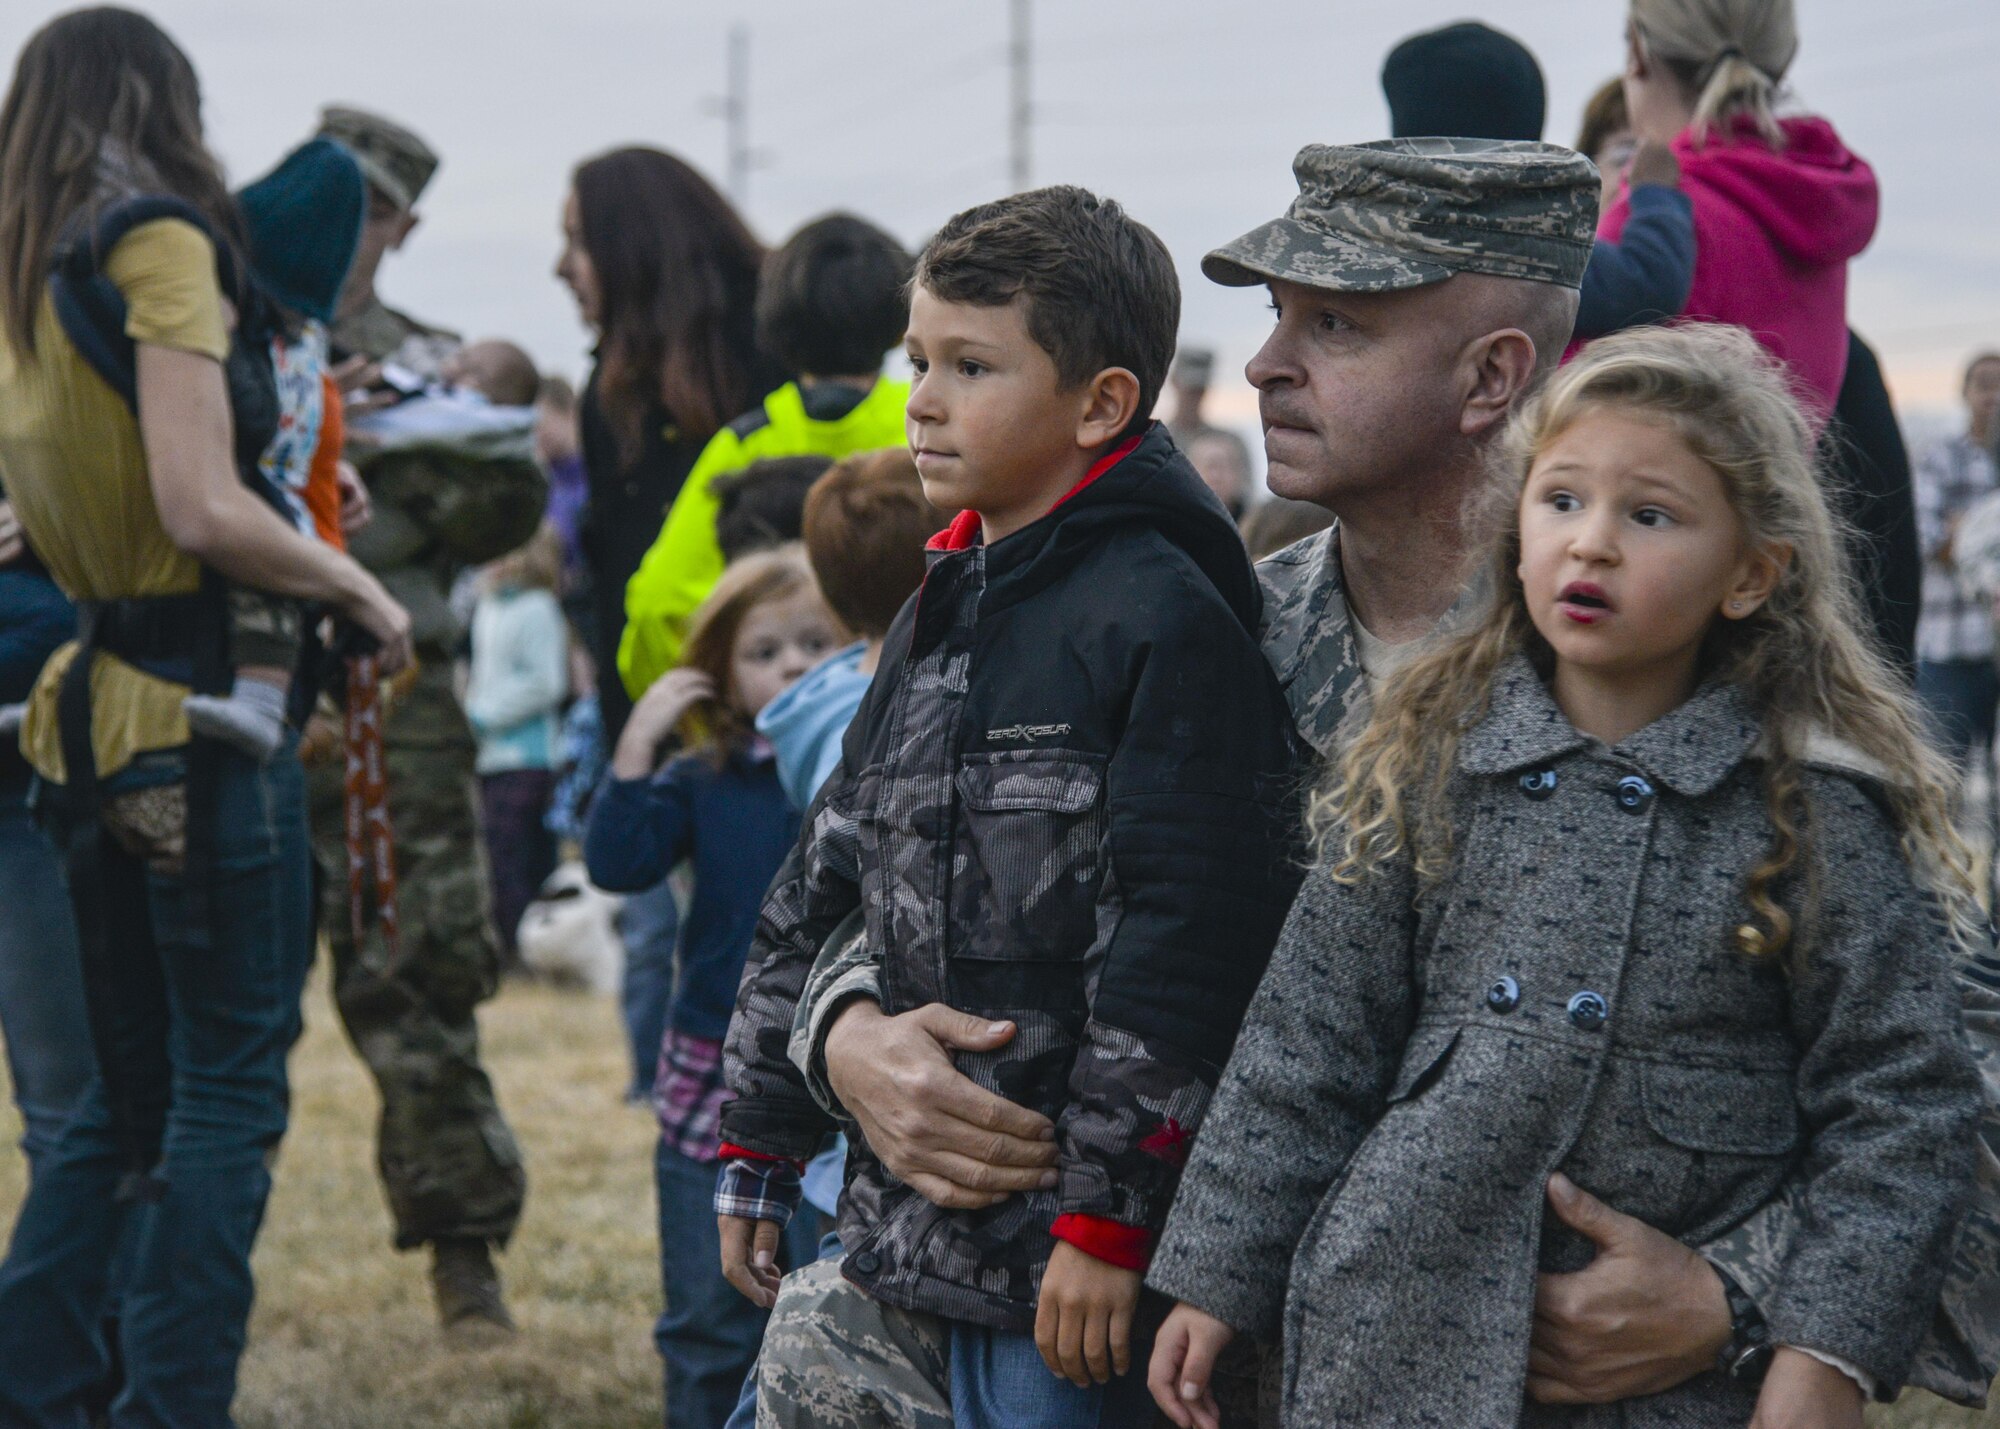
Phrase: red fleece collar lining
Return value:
(964, 527)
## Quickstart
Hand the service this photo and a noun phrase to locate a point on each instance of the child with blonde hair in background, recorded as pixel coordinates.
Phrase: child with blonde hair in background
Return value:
(1643, 883)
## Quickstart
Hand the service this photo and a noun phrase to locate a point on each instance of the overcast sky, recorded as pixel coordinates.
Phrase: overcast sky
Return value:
(1187, 111)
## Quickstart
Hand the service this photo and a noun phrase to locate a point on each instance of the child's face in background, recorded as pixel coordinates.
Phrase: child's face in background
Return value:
(1630, 550)
(778, 641)
(989, 422)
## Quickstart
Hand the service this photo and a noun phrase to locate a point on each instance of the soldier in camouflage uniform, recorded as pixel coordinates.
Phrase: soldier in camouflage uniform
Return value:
(1379, 218)
(450, 1167)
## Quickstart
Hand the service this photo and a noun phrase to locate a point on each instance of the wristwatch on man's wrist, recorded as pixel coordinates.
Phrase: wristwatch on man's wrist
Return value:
(1747, 1353)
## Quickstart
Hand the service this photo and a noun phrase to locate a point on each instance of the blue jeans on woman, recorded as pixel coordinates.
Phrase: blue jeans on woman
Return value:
(708, 1334)
(217, 1016)
(41, 983)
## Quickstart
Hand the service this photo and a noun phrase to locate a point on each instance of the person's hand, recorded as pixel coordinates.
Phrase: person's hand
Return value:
(1642, 1317)
(1801, 1392)
(750, 1258)
(1083, 1320)
(665, 702)
(357, 508)
(1183, 1367)
(946, 1137)
(1653, 163)
(376, 611)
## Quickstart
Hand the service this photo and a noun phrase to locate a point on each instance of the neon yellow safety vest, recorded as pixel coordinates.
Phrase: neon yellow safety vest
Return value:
(685, 562)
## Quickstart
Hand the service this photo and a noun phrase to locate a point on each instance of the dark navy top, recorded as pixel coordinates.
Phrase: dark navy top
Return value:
(736, 825)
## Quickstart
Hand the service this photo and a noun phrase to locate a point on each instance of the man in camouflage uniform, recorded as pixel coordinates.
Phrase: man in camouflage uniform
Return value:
(1388, 248)
(449, 1163)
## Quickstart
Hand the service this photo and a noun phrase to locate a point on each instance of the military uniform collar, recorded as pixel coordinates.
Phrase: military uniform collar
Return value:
(1691, 750)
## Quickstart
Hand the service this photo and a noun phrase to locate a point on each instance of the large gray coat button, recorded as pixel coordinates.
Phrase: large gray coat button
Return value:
(1635, 795)
(1504, 995)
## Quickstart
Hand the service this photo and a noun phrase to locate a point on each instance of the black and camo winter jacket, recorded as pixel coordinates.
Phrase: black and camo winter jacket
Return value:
(1068, 801)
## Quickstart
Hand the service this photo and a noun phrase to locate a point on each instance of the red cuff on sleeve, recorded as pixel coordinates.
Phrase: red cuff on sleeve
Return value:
(732, 1152)
(1113, 1242)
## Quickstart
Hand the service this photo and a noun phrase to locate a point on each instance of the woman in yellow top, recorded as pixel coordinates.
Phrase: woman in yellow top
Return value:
(192, 1023)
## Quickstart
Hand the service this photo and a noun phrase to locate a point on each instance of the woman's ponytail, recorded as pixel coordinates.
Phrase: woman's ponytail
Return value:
(1730, 54)
(1735, 88)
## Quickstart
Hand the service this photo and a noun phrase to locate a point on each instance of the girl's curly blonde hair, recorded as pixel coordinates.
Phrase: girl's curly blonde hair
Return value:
(1809, 672)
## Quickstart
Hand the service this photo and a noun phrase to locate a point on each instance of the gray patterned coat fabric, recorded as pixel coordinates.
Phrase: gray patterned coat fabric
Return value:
(1416, 1064)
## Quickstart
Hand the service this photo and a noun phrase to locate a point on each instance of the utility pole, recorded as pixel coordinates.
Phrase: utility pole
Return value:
(733, 108)
(1020, 58)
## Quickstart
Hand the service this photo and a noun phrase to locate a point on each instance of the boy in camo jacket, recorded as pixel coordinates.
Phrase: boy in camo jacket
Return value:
(1063, 805)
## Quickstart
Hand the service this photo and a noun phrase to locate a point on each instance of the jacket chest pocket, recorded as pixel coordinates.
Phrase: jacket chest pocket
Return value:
(1025, 873)
(1735, 1131)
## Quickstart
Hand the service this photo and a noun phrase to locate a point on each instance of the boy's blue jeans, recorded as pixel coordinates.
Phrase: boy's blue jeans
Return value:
(1000, 1381)
(708, 1334)
(220, 1018)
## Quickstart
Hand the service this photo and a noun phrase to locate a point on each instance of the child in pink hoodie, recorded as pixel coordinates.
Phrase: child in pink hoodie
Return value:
(1780, 205)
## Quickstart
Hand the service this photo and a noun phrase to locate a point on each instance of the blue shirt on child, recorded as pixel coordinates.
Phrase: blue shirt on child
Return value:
(735, 824)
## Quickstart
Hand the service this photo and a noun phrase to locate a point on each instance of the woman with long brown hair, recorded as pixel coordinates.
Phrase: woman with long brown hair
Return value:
(665, 272)
(188, 863)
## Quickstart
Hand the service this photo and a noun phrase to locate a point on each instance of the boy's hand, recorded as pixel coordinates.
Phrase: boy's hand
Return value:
(1183, 1365)
(1801, 1392)
(653, 718)
(750, 1258)
(1083, 1321)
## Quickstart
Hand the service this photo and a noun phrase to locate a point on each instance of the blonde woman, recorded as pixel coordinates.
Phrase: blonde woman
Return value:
(1644, 882)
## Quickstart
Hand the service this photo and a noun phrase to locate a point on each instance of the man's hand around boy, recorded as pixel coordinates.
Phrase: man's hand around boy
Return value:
(1182, 1373)
(1801, 1392)
(750, 1258)
(949, 1139)
(1083, 1320)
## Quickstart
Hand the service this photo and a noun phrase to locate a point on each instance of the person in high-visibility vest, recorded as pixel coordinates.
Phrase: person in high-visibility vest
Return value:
(830, 306)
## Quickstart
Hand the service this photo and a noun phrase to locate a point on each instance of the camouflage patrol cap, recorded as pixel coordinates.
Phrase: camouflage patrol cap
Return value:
(1401, 213)
(396, 163)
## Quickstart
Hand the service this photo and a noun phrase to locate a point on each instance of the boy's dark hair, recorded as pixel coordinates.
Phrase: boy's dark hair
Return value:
(866, 522)
(762, 505)
(831, 301)
(1099, 286)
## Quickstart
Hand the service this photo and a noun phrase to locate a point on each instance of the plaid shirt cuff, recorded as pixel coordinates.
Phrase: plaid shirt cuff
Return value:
(757, 1189)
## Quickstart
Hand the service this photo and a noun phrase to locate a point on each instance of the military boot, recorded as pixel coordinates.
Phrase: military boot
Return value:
(467, 1286)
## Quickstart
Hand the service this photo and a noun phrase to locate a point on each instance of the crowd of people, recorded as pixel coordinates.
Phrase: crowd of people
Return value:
(1082, 977)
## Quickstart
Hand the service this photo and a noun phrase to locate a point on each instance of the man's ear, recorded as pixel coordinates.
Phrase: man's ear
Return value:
(1110, 403)
(1499, 366)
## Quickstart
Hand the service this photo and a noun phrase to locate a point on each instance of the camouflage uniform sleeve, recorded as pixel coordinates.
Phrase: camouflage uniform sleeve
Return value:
(1200, 870)
(1961, 1350)
(847, 966)
(770, 1111)
(476, 508)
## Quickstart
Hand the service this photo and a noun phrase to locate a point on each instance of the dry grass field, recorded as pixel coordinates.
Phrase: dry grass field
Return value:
(343, 1336)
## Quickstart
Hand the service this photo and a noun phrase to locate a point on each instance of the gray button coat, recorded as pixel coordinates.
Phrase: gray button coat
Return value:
(1371, 1177)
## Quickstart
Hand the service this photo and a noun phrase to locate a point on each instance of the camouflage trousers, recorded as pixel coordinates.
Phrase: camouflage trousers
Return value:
(449, 1163)
(835, 1357)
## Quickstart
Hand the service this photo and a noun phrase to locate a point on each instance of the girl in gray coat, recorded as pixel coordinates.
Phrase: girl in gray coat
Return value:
(1644, 883)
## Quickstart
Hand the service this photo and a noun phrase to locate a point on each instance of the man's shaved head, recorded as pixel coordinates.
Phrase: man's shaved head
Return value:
(1371, 396)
